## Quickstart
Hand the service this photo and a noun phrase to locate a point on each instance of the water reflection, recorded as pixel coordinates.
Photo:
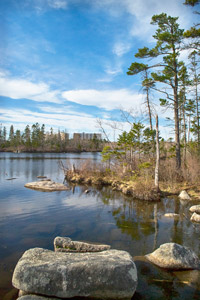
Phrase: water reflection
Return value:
(30, 218)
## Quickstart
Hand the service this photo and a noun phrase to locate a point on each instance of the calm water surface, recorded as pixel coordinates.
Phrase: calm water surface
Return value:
(31, 218)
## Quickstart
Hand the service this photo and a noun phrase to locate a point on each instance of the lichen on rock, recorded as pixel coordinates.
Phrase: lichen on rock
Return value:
(65, 244)
(109, 274)
(174, 256)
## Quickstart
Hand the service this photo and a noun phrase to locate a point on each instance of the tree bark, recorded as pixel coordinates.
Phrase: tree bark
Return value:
(176, 120)
(148, 103)
(197, 110)
(184, 132)
(157, 157)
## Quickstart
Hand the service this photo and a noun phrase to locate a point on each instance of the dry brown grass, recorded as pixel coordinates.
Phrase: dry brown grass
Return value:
(191, 170)
(139, 179)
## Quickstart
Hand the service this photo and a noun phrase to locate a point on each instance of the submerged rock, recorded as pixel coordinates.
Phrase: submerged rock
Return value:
(171, 215)
(65, 244)
(195, 217)
(195, 208)
(110, 274)
(189, 277)
(184, 195)
(87, 191)
(47, 185)
(174, 256)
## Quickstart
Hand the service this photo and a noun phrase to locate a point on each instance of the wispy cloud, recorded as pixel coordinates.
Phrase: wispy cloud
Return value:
(58, 4)
(61, 109)
(111, 71)
(141, 12)
(120, 48)
(70, 122)
(21, 88)
(41, 6)
(107, 99)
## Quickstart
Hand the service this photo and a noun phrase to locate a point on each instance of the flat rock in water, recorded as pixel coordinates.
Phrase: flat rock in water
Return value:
(46, 185)
(65, 244)
(184, 195)
(171, 215)
(41, 176)
(174, 256)
(109, 274)
(195, 217)
(195, 208)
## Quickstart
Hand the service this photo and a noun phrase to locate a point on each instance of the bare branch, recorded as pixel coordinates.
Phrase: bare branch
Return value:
(100, 125)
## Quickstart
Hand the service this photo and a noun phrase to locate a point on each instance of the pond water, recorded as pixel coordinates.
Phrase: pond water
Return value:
(30, 218)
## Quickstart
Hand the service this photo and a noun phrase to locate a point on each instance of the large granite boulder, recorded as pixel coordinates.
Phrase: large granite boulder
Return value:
(195, 217)
(46, 186)
(65, 244)
(174, 256)
(108, 274)
(184, 195)
(195, 208)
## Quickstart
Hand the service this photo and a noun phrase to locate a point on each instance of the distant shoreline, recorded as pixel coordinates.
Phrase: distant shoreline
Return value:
(39, 151)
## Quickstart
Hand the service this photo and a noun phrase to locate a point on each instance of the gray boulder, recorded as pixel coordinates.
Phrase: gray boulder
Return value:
(195, 217)
(174, 256)
(184, 195)
(195, 208)
(108, 274)
(47, 186)
(65, 244)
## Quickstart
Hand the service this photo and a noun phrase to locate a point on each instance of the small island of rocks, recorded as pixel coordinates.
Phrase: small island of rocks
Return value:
(46, 186)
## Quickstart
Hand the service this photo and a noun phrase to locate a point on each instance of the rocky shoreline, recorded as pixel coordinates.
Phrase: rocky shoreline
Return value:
(127, 188)
(138, 189)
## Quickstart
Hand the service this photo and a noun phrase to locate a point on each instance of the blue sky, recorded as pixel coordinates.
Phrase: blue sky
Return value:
(64, 62)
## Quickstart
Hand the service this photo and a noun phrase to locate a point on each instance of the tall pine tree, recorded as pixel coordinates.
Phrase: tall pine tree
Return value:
(168, 38)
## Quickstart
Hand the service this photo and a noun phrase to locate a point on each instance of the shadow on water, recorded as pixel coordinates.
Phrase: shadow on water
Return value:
(30, 219)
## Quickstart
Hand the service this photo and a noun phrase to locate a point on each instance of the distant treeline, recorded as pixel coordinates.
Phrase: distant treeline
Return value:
(35, 138)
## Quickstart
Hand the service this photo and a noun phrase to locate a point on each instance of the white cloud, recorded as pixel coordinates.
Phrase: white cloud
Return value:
(121, 48)
(107, 99)
(105, 79)
(141, 12)
(184, 56)
(71, 122)
(21, 88)
(58, 4)
(42, 6)
(64, 109)
(112, 71)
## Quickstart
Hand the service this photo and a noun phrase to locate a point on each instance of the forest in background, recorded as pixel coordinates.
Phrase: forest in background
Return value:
(36, 139)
